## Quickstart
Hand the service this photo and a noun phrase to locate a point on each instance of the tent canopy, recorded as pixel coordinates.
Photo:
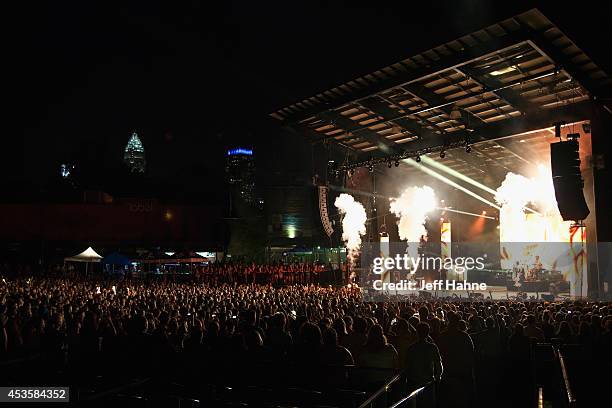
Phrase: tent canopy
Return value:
(116, 259)
(186, 254)
(88, 255)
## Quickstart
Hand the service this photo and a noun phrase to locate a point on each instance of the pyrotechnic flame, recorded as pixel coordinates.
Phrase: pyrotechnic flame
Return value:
(412, 208)
(516, 192)
(353, 223)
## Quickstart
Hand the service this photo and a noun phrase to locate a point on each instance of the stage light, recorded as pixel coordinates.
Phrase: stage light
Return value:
(291, 231)
(352, 172)
(389, 164)
(397, 163)
(468, 149)
(484, 212)
(442, 154)
(418, 159)
(371, 168)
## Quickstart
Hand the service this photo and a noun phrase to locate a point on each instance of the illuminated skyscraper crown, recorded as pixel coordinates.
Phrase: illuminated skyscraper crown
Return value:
(134, 155)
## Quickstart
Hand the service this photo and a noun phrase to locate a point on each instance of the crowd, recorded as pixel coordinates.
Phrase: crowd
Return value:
(213, 273)
(464, 345)
(274, 273)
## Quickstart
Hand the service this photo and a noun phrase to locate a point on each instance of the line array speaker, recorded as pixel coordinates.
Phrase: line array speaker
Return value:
(565, 165)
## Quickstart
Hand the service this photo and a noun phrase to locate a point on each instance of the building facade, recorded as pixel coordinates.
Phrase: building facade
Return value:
(240, 174)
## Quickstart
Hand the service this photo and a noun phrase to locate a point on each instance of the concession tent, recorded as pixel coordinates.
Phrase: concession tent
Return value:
(188, 257)
(87, 256)
(155, 257)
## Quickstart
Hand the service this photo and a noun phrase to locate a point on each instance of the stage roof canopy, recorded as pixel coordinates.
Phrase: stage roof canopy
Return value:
(515, 76)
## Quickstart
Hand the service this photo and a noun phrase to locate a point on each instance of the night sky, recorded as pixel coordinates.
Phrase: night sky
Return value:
(194, 77)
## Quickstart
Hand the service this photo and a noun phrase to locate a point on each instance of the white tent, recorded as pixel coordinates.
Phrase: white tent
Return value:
(88, 255)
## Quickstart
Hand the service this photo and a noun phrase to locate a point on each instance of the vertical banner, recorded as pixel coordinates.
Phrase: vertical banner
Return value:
(577, 278)
(327, 227)
(445, 246)
(384, 253)
(446, 242)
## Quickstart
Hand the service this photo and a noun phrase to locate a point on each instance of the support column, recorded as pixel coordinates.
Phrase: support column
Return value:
(600, 277)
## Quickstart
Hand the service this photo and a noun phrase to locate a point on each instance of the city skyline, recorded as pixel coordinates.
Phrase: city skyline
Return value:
(184, 101)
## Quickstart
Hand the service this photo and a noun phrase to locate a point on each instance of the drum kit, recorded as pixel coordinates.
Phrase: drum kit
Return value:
(523, 273)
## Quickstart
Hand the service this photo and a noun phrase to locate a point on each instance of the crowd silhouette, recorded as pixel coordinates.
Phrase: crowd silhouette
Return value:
(471, 349)
(278, 273)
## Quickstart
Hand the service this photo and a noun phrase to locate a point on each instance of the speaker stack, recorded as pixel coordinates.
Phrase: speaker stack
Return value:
(323, 211)
(565, 165)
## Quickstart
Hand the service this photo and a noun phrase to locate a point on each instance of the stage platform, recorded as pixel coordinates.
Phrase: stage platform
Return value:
(492, 293)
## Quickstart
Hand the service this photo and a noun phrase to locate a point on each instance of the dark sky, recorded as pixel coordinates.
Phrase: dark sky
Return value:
(192, 77)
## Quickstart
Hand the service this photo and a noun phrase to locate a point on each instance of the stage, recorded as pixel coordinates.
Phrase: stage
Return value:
(496, 150)
(492, 293)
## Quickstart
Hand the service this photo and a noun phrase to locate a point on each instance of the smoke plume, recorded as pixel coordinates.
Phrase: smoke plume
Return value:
(411, 208)
(353, 223)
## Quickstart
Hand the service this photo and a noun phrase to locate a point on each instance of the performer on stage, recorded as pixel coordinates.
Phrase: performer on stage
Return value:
(537, 268)
(515, 270)
(519, 277)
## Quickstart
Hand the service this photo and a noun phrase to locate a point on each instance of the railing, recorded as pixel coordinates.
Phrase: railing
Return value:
(571, 399)
(540, 397)
(559, 371)
(381, 391)
(413, 395)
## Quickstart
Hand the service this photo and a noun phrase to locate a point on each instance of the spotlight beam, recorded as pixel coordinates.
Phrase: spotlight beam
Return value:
(451, 183)
(465, 213)
(365, 193)
(441, 209)
(462, 177)
(455, 173)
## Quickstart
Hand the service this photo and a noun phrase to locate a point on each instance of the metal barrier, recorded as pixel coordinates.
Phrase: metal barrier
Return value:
(381, 391)
(571, 399)
(540, 397)
(539, 355)
(275, 381)
(386, 389)
(413, 395)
